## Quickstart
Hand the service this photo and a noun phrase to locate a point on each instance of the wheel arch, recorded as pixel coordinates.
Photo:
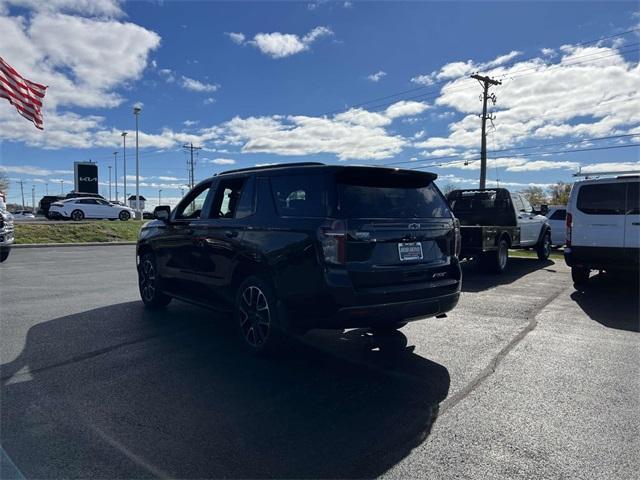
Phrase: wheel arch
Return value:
(246, 268)
(546, 228)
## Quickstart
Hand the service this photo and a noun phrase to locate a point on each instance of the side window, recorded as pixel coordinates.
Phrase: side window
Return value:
(299, 196)
(525, 203)
(228, 197)
(246, 204)
(517, 203)
(560, 214)
(193, 204)
(633, 198)
(602, 199)
(103, 202)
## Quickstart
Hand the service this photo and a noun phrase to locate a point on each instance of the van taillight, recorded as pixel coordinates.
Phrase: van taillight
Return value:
(333, 241)
(457, 245)
(569, 224)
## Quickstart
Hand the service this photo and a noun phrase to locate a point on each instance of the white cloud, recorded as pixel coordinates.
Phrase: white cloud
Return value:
(167, 74)
(208, 101)
(31, 170)
(514, 164)
(222, 161)
(405, 108)
(190, 123)
(376, 77)
(538, 100)
(237, 38)
(281, 45)
(108, 8)
(198, 86)
(611, 167)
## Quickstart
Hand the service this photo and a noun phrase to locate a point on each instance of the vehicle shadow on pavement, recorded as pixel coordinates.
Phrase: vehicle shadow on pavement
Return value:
(121, 392)
(611, 300)
(476, 280)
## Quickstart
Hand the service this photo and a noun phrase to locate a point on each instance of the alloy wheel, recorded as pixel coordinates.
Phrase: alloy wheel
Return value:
(255, 317)
(148, 280)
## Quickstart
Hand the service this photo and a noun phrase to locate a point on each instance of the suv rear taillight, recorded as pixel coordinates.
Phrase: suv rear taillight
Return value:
(569, 224)
(457, 244)
(333, 241)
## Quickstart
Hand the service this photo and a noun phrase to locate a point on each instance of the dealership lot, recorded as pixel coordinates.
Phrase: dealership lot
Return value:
(525, 378)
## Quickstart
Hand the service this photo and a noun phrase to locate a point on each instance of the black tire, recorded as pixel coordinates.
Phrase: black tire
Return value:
(124, 215)
(497, 260)
(77, 215)
(543, 248)
(580, 276)
(257, 317)
(149, 283)
(4, 254)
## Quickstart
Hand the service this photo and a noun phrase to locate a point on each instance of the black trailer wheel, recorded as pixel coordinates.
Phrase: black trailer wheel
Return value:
(497, 260)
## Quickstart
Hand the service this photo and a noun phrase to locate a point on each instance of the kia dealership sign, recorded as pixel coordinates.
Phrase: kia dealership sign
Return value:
(86, 177)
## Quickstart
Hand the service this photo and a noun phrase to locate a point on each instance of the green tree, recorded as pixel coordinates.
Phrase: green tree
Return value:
(559, 193)
(535, 195)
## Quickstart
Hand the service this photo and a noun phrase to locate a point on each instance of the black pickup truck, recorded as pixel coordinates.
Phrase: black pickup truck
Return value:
(494, 220)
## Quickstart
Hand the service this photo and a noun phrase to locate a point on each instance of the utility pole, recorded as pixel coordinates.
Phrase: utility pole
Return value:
(21, 182)
(115, 162)
(124, 166)
(61, 187)
(109, 167)
(486, 82)
(191, 148)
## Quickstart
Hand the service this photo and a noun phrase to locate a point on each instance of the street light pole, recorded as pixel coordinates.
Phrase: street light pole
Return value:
(33, 199)
(160, 197)
(136, 112)
(61, 187)
(109, 167)
(46, 188)
(115, 162)
(124, 166)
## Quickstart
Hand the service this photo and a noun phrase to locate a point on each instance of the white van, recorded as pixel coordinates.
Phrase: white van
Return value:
(603, 226)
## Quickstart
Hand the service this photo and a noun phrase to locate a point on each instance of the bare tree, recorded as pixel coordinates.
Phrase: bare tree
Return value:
(535, 195)
(4, 181)
(448, 188)
(559, 193)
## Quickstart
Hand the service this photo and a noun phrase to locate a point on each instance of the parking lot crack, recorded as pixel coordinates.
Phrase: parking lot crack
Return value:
(492, 366)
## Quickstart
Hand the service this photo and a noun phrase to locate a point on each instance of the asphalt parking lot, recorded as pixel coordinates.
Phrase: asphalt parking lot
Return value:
(526, 378)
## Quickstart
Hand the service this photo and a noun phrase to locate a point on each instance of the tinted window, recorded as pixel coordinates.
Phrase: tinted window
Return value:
(193, 204)
(602, 199)
(363, 201)
(633, 198)
(559, 215)
(300, 196)
(246, 204)
(525, 203)
(228, 196)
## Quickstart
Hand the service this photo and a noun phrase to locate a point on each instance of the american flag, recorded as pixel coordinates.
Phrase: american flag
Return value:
(25, 95)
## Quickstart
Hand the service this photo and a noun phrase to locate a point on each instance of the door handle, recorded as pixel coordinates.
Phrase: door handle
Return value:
(635, 223)
(231, 234)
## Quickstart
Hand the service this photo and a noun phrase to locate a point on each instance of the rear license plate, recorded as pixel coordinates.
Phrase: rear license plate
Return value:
(410, 251)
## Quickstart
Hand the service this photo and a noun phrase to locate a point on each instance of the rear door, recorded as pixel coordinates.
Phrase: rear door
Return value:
(599, 218)
(88, 206)
(399, 228)
(557, 220)
(632, 221)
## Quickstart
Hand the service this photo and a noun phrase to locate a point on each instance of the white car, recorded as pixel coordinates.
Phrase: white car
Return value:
(81, 208)
(557, 215)
(23, 215)
(603, 227)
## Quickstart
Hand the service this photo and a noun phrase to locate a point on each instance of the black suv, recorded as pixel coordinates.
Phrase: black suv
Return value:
(292, 247)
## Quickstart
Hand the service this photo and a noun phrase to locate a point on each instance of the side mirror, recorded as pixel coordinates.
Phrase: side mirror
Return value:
(544, 209)
(162, 212)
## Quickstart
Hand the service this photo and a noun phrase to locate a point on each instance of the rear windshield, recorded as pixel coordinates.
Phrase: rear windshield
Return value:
(602, 199)
(486, 207)
(300, 195)
(387, 197)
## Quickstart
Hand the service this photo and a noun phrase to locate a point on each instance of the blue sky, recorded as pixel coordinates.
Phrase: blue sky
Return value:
(267, 82)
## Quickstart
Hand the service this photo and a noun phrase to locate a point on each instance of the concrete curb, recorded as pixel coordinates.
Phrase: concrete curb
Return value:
(87, 244)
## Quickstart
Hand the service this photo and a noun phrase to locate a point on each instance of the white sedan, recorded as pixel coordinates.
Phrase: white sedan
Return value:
(81, 208)
(23, 215)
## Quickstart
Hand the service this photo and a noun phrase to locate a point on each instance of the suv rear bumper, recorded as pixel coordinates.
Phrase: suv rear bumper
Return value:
(389, 313)
(603, 258)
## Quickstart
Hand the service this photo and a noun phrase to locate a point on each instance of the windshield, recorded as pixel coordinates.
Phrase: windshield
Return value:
(388, 197)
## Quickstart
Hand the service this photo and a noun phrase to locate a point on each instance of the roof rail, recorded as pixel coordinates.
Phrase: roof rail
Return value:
(601, 174)
(267, 167)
